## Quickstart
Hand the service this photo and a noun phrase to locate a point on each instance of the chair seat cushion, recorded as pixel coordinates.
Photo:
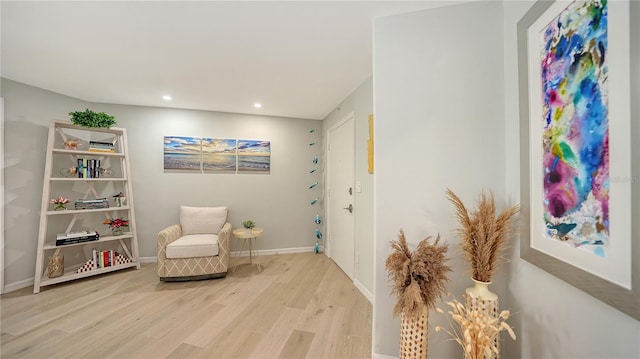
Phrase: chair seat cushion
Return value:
(193, 245)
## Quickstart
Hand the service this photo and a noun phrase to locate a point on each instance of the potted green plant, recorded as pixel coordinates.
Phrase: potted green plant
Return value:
(90, 118)
(248, 225)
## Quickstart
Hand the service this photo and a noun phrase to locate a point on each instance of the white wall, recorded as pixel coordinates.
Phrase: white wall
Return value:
(28, 111)
(360, 102)
(554, 318)
(438, 102)
(279, 201)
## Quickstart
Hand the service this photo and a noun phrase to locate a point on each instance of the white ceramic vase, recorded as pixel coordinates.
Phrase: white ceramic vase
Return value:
(480, 298)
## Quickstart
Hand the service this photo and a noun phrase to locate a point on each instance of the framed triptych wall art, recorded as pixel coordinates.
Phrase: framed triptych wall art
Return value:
(579, 168)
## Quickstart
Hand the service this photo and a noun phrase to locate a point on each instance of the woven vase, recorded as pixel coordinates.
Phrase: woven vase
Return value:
(480, 298)
(413, 335)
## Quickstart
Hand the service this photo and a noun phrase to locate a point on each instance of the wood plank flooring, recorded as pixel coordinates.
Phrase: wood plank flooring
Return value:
(299, 306)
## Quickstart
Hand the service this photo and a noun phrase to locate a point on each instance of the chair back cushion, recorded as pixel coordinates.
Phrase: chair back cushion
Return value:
(202, 220)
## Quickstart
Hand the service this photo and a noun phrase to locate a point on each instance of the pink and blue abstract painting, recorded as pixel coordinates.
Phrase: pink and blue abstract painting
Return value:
(576, 127)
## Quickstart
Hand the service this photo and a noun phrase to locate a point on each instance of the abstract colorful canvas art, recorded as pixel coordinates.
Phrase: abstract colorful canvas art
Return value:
(576, 127)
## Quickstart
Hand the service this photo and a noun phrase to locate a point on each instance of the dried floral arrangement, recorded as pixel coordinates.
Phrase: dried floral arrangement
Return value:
(418, 277)
(475, 331)
(483, 235)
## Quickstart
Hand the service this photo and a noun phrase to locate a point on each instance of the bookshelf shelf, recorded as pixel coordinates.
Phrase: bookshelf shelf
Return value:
(86, 153)
(49, 246)
(79, 211)
(74, 179)
(86, 192)
(71, 274)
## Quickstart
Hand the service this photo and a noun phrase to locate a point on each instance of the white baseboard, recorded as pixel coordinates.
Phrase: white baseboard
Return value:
(272, 252)
(148, 259)
(10, 287)
(382, 356)
(367, 294)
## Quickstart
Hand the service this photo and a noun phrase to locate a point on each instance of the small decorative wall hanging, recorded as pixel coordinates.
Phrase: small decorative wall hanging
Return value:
(316, 200)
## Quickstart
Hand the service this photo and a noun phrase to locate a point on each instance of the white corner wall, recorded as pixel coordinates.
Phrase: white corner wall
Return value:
(360, 102)
(438, 102)
(554, 319)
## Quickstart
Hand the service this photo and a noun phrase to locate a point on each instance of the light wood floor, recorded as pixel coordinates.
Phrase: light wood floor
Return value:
(299, 306)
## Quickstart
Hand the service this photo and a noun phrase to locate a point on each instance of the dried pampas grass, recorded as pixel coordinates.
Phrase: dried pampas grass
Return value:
(418, 277)
(476, 330)
(484, 236)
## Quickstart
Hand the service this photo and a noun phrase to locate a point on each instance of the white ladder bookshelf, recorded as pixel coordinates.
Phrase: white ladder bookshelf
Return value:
(69, 152)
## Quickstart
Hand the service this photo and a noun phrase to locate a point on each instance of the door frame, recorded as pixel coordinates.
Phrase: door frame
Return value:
(349, 117)
(2, 261)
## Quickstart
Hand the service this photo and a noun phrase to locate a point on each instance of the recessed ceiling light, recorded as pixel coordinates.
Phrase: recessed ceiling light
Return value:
(257, 105)
(166, 98)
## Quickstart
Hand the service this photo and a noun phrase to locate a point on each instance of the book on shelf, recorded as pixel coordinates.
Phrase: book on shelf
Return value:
(76, 237)
(91, 203)
(98, 146)
(89, 168)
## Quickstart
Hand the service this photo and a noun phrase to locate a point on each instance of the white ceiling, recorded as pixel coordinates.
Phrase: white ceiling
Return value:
(299, 59)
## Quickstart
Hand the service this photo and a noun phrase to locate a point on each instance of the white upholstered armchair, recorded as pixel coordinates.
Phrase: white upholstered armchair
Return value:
(197, 248)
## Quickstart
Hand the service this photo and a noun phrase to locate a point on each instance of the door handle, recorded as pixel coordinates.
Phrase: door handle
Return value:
(350, 208)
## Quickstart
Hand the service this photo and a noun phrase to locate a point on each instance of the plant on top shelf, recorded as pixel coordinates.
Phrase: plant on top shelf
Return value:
(89, 118)
(248, 224)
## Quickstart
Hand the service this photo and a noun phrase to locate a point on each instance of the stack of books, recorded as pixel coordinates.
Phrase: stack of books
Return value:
(92, 203)
(76, 237)
(97, 146)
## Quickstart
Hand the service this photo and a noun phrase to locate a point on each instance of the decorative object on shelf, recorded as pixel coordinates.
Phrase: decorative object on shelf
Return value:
(88, 118)
(314, 201)
(318, 220)
(477, 331)
(313, 185)
(71, 144)
(483, 238)
(55, 267)
(120, 198)
(315, 160)
(116, 224)
(418, 279)
(59, 203)
(249, 225)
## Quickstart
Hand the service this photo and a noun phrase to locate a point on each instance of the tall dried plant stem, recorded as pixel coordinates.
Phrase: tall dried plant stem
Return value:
(484, 237)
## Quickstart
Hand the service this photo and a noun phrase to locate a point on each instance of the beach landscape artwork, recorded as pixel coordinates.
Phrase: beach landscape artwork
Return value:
(182, 153)
(576, 127)
(254, 156)
(218, 154)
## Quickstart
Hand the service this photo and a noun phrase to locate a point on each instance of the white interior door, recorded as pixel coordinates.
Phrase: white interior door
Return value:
(1, 195)
(340, 196)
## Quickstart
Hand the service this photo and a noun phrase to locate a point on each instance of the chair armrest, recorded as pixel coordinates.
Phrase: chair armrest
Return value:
(223, 241)
(167, 236)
